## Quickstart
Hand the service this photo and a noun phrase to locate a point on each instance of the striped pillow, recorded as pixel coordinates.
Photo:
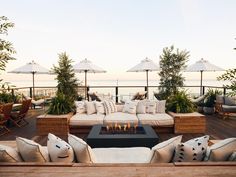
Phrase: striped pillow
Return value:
(109, 106)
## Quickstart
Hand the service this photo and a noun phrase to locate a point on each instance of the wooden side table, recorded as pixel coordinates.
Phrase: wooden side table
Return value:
(189, 122)
(56, 124)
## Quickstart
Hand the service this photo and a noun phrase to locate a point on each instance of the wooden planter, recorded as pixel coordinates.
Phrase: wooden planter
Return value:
(56, 124)
(189, 122)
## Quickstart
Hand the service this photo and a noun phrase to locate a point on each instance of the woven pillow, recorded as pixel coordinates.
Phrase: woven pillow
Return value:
(130, 107)
(9, 154)
(221, 151)
(90, 107)
(161, 106)
(192, 151)
(83, 151)
(59, 150)
(109, 106)
(141, 107)
(164, 152)
(151, 107)
(80, 107)
(31, 151)
(99, 107)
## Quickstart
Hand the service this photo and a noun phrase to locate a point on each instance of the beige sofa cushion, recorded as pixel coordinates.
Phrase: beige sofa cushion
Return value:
(31, 151)
(159, 119)
(164, 152)
(80, 107)
(123, 155)
(119, 107)
(141, 107)
(130, 107)
(90, 107)
(161, 106)
(150, 106)
(221, 151)
(9, 154)
(99, 107)
(87, 120)
(120, 117)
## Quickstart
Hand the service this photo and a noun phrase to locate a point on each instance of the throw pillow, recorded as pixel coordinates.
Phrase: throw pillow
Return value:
(59, 150)
(163, 152)
(141, 107)
(161, 106)
(80, 107)
(83, 151)
(192, 151)
(99, 107)
(151, 107)
(90, 107)
(31, 151)
(130, 107)
(221, 151)
(109, 106)
(229, 101)
(9, 154)
(233, 156)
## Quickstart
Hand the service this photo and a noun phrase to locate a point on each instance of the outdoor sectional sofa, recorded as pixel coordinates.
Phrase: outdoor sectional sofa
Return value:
(82, 122)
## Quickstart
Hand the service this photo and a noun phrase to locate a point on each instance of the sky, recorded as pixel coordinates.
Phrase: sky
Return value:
(118, 34)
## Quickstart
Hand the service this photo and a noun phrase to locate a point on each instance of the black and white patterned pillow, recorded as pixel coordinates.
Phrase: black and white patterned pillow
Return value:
(193, 150)
(109, 106)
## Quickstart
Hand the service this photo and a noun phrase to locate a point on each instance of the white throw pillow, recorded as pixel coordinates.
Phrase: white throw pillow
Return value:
(130, 107)
(151, 107)
(221, 151)
(31, 151)
(193, 150)
(161, 106)
(141, 107)
(9, 154)
(90, 107)
(99, 107)
(109, 106)
(80, 107)
(59, 150)
(164, 152)
(83, 151)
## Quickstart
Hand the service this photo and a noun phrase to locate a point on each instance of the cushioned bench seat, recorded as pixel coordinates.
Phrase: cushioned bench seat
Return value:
(160, 119)
(120, 117)
(86, 120)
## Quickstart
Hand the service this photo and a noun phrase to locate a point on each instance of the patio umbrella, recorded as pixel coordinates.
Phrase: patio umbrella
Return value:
(146, 65)
(31, 68)
(87, 66)
(200, 66)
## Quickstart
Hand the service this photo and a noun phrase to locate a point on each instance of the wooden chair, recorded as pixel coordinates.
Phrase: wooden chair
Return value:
(18, 117)
(5, 116)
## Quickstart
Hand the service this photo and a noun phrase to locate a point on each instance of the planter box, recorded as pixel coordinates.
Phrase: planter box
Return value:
(56, 124)
(189, 122)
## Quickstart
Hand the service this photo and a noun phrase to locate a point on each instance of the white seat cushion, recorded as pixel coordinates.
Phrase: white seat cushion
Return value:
(123, 155)
(159, 119)
(120, 117)
(87, 120)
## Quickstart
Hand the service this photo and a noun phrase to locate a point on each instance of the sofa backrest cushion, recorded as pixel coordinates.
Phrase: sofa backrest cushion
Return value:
(193, 150)
(130, 107)
(82, 150)
(141, 107)
(109, 106)
(90, 107)
(160, 106)
(119, 107)
(99, 107)
(151, 107)
(230, 101)
(221, 151)
(164, 152)
(59, 150)
(31, 151)
(9, 154)
(80, 107)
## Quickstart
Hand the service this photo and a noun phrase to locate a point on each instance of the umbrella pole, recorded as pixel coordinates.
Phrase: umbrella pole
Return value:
(85, 84)
(33, 84)
(201, 83)
(147, 83)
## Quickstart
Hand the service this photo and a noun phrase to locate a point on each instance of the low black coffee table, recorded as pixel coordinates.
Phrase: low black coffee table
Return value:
(147, 138)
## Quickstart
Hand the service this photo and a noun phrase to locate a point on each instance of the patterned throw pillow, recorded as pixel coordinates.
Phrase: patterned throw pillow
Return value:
(192, 151)
(161, 106)
(233, 156)
(130, 107)
(141, 107)
(99, 107)
(9, 154)
(221, 151)
(151, 107)
(90, 107)
(59, 150)
(80, 107)
(83, 151)
(31, 151)
(164, 152)
(109, 106)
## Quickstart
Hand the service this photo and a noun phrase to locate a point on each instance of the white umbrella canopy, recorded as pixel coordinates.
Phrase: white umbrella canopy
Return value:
(201, 66)
(87, 66)
(31, 68)
(145, 65)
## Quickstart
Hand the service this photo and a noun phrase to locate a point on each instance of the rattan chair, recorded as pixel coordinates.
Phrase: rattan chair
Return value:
(5, 116)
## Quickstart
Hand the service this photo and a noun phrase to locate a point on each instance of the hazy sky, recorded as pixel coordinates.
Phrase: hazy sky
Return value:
(118, 34)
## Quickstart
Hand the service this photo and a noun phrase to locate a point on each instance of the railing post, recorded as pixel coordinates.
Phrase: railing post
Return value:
(203, 90)
(31, 93)
(224, 91)
(117, 92)
(87, 92)
(145, 88)
(12, 93)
